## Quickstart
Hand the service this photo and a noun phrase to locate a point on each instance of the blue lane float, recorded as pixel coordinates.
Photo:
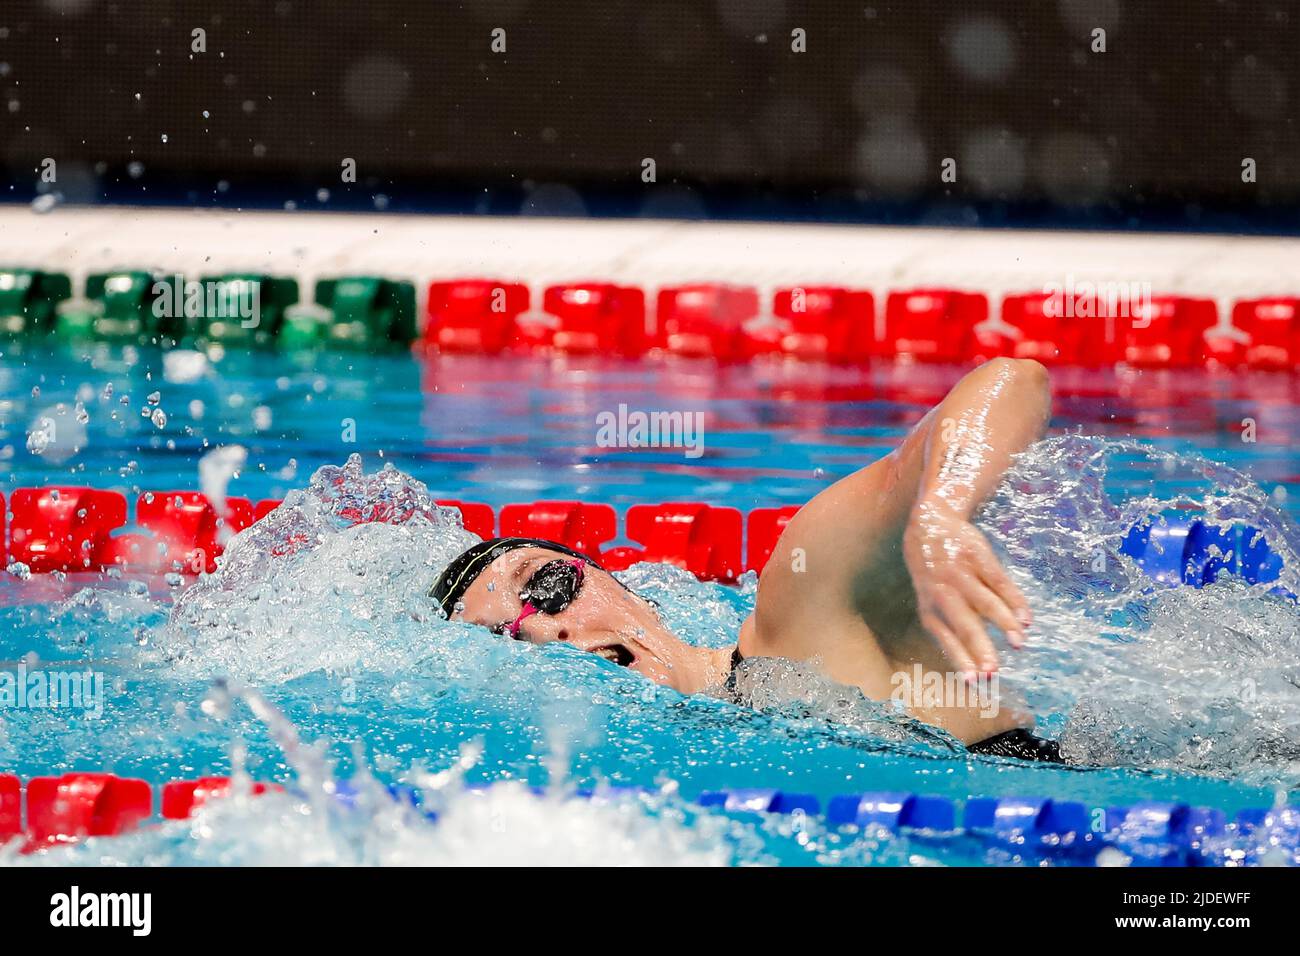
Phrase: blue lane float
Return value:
(757, 800)
(893, 811)
(1174, 550)
(1033, 816)
(1150, 833)
(1251, 818)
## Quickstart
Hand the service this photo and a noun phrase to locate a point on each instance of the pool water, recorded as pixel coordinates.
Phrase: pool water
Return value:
(1146, 685)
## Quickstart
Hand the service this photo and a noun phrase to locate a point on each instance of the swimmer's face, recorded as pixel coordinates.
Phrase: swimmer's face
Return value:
(603, 617)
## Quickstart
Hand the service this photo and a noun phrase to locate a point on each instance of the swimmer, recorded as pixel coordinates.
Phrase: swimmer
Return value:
(881, 574)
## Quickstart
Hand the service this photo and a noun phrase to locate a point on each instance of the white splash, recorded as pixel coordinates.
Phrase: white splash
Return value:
(216, 470)
(333, 579)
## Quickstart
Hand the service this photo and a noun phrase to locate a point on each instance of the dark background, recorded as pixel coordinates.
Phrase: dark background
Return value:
(1150, 134)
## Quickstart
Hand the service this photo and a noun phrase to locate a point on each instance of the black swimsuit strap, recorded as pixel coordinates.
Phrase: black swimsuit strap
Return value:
(730, 683)
(1021, 744)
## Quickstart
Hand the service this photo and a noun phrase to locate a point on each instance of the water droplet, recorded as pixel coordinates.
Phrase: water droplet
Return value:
(46, 203)
(159, 418)
(41, 436)
(218, 702)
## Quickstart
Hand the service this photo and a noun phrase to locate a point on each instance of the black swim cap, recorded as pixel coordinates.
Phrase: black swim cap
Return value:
(465, 569)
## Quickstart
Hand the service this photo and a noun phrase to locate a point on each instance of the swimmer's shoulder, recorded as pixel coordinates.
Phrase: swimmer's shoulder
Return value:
(836, 556)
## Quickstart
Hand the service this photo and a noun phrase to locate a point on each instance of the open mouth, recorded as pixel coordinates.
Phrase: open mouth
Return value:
(617, 653)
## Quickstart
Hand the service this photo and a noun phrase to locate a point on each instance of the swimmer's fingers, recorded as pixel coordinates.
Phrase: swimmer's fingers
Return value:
(952, 647)
(969, 630)
(993, 608)
(999, 582)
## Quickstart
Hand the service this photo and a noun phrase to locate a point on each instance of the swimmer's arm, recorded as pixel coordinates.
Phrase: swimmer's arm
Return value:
(848, 552)
(993, 413)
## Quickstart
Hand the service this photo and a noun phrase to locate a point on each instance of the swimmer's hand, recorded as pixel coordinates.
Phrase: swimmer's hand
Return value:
(960, 585)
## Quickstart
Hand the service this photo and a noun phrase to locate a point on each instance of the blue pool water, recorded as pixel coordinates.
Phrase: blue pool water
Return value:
(1174, 696)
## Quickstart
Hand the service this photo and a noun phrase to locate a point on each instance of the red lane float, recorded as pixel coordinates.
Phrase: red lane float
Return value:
(474, 315)
(704, 320)
(1225, 347)
(190, 527)
(1163, 331)
(71, 529)
(77, 805)
(703, 539)
(590, 317)
(69, 808)
(576, 525)
(474, 517)
(1051, 331)
(818, 323)
(181, 531)
(186, 533)
(1271, 328)
(61, 528)
(1167, 331)
(265, 507)
(765, 526)
(181, 798)
(933, 325)
(11, 806)
(837, 324)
